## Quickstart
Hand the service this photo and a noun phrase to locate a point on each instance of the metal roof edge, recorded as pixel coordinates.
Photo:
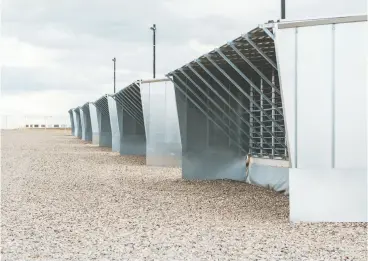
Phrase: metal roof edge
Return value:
(103, 96)
(322, 21)
(121, 90)
(154, 80)
(85, 105)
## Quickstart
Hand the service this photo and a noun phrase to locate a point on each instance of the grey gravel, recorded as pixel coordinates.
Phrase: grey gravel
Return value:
(63, 199)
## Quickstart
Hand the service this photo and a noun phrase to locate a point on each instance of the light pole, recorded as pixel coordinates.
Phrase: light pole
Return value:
(283, 9)
(153, 28)
(114, 60)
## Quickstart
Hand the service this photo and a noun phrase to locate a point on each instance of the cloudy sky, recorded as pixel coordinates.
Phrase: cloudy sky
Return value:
(57, 54)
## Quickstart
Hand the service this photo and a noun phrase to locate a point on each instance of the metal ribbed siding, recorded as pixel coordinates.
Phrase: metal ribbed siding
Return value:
(103, 120)
(86, 122)
(131, 122)
(229, 104)
(78, 123)
(71, 121)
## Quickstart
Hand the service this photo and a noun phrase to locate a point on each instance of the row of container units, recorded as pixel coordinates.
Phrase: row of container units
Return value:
(278, 107)
(140, 119)
(49, 126)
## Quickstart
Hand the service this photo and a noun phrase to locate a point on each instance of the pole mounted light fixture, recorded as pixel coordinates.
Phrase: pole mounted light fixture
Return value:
(114, 60)
(153, 28)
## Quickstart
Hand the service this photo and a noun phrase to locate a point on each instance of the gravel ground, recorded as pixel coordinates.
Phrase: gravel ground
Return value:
(66, 200)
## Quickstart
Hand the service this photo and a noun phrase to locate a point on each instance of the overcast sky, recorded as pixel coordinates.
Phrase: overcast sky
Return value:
(56, 54)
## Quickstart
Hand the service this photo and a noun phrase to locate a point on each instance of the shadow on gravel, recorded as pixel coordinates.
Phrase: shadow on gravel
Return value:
(231, 199)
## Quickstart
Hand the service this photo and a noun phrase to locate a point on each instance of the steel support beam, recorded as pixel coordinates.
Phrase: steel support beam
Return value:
(205, 113)
(251, 118)
(209, 98)
(268, 32)
(215, 114)
(246, 37)
(131, 112)
(102, 106)
(235, 84)
(139, 110)
(228, 92)
(237, 100)
(232, 45)
(121, 102)
(246, 79)
(217, 106)
(134, 92)
(137, 89)
(134, 99)
(101, 109)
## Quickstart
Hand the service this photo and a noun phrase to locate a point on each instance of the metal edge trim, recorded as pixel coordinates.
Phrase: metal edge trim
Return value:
(322, 21)
(154, 80)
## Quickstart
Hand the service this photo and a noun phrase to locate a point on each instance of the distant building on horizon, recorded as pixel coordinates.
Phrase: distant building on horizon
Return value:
(48, 126)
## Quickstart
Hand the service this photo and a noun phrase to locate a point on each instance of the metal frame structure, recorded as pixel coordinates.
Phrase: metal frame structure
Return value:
(233, 94)
(129, 113)
(71, 121)
(86, 122)
(77, 122)
(116, 122)
(103, 120)
(243, 69)
(94, 123)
